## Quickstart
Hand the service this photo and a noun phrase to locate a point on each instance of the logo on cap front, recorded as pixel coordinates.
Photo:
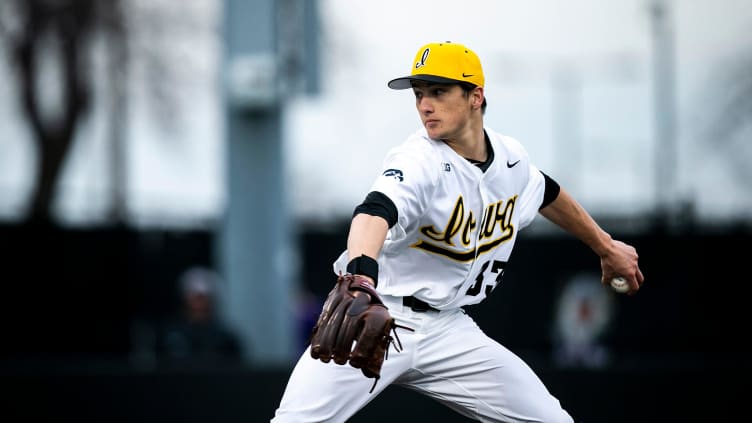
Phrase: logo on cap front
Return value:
(423, 58)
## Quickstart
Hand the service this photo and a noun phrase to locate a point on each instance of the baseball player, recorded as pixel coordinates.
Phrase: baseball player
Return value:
(434, 234)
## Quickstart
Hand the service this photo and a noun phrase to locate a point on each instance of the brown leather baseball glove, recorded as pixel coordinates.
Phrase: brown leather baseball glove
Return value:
(353, 313)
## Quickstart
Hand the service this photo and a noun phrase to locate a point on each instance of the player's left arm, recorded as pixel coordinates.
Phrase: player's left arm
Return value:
(617, 258)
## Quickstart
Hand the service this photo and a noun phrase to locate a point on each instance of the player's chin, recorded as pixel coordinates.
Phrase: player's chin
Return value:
(434, 131)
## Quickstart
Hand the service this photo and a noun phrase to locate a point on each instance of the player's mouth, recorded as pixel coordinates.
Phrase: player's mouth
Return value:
(431, 123)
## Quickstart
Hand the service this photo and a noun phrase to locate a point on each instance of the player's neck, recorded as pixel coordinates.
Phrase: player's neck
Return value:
(471, 144)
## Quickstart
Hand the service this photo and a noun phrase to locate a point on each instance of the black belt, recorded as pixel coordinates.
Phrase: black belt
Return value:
(416, 304)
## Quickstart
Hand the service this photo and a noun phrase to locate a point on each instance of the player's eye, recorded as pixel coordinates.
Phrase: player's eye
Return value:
(438, 91)
(418, 94)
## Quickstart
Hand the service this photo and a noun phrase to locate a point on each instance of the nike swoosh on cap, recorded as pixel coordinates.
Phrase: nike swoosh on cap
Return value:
(466, 76)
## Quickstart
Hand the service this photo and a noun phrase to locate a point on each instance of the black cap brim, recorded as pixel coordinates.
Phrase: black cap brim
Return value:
(405, 82)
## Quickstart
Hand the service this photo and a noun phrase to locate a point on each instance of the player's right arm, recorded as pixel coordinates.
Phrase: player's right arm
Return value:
(367, 235)
(368, 230)
(398, 194)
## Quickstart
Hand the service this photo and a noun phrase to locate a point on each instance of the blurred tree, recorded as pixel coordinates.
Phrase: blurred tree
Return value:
(37, 31)
(105, 56)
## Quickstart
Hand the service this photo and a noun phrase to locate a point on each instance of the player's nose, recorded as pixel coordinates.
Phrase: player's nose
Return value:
(425, 105)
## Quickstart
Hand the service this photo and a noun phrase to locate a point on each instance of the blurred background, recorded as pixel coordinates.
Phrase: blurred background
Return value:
(176, 179)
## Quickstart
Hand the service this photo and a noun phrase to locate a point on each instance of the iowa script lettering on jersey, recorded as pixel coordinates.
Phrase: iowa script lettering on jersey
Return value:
(495, 228)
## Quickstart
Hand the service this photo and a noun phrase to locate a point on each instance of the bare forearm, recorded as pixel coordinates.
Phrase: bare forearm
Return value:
(367, 235)
(568, 214)
(617, 258)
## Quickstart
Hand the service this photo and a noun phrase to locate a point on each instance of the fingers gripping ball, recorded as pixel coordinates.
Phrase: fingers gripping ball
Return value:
(354, 326)
(620, 285)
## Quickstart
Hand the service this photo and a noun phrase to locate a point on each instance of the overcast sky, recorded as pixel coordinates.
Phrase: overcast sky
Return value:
(571, 80)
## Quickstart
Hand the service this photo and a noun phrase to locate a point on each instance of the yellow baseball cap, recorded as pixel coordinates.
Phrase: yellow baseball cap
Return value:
(443, 63)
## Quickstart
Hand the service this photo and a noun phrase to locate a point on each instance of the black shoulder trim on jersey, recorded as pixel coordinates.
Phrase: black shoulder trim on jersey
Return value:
(551, 191)
(378, 204)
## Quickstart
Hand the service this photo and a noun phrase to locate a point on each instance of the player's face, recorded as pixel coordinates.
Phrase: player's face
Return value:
(444, 109)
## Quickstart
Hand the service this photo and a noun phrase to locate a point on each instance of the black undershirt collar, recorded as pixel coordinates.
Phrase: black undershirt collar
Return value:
(483, 166)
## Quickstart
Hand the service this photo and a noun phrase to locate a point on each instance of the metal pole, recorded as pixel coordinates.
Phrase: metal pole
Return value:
(255, 244)
(664, 103)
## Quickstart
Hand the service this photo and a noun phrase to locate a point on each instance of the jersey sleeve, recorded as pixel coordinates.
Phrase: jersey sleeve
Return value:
(531, 197)
(407, 180)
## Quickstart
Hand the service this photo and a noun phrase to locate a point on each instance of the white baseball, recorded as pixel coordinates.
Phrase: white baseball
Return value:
(619, 285)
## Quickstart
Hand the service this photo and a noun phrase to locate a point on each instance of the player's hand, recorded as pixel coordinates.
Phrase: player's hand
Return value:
(354, 314)
(621, 259)
(367, 279)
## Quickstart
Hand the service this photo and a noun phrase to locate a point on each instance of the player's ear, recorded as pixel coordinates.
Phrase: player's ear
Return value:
(476, 96)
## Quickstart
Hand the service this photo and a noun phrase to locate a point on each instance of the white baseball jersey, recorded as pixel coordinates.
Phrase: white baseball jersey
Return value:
(456, 224)
(455, 229)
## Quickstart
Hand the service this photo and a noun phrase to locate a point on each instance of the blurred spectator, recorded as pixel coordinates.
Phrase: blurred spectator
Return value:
(196, 336)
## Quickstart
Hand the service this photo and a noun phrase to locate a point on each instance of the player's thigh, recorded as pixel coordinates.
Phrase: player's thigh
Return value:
(328, 392)
(478, 377)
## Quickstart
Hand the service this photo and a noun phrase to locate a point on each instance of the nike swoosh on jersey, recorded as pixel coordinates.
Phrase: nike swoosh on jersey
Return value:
(511, 165)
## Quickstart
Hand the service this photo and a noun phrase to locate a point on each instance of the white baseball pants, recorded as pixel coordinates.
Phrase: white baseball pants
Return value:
(447, 358)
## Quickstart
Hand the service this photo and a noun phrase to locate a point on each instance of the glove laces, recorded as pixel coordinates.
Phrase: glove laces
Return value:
(397, 347)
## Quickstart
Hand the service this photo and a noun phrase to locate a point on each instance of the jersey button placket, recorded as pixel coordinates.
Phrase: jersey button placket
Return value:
(479, 211)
